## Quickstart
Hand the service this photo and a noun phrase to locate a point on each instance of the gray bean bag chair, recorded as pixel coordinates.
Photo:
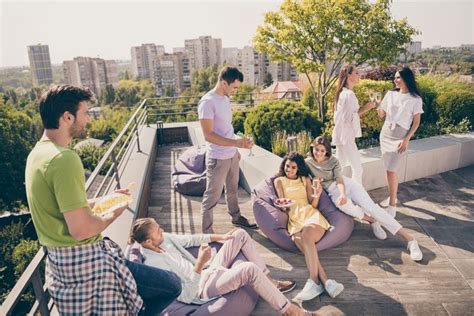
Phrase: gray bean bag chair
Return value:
(274, 222)
(189, 175)
(239, 302)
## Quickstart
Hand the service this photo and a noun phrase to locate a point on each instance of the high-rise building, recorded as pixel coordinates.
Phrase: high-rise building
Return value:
(255, 66)
(230, 56)
(282, 71)
(40, 64)
(412, 48)
(94, 73)
(142, 59)
(204, 51)
(172, 74)
(178, 50)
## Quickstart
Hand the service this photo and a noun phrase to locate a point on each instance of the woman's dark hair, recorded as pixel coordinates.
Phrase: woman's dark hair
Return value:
(321, 140)
(409, 78)
(59, 99)
(342, 81)
(230, 74)
(300, 164)
(141, 230)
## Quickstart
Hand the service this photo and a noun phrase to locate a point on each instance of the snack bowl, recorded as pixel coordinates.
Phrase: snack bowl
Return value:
(283, 202)
(110, 203)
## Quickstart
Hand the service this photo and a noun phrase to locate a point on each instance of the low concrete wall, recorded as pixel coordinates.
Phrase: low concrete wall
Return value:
(137, 168)
(424, 157)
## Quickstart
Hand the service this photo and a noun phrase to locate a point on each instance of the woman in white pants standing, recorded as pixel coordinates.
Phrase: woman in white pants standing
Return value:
(402, 109)
(347, 121)
(351, 198)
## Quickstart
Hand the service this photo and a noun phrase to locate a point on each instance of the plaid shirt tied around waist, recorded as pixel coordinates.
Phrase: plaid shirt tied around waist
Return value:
(91, 279)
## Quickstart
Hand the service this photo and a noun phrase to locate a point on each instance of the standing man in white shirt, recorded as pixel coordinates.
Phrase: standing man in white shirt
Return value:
(222, 158)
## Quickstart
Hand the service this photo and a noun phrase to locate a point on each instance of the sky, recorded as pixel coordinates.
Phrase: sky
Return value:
(109, 28)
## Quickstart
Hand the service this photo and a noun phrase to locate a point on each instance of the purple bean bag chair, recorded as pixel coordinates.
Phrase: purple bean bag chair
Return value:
(189, 175)
(239, 302)
(274, 222)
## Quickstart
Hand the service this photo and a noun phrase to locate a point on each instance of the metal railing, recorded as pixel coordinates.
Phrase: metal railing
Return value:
(103, 178)
(116, 155)
(184, 108)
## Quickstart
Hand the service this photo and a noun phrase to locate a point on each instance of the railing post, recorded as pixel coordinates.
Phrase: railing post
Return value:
(146, 115)
(114, 165)
(159, 126)
(40, 295)
(138, 135)
(292, 143)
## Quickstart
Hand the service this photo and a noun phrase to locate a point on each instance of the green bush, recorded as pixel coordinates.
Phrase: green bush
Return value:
(10, 236)
(455, 105)
(429, 92)
(238, 119)
(91, 156)
(23, 253)
(269, 117)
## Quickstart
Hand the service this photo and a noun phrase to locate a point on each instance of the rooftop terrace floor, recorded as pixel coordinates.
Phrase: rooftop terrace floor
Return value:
(379, 276)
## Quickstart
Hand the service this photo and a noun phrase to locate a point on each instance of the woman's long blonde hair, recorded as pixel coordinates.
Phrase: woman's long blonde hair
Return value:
(342, 81)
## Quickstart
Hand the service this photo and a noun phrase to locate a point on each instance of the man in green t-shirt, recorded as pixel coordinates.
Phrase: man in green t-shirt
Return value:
(85, 273)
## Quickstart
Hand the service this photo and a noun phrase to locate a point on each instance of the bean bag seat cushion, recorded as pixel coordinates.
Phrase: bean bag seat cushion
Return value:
(189, 175)
(239, 302)
(273, 222)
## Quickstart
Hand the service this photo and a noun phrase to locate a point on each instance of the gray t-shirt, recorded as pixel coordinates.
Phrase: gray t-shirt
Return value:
(328, 171)
(218, 108)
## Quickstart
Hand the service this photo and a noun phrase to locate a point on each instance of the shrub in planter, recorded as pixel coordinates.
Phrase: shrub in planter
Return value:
(269, 117)
(238, 119)
(455, 104)
(429, 92)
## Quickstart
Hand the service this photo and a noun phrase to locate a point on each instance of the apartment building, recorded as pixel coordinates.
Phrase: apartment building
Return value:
(172, 74)
(230, 56)
(94, 73)
(204, 51)
(255, 66)
(142, 59)
(40, 64)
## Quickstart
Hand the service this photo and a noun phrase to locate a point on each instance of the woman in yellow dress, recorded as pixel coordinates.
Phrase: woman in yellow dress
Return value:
(306, 224)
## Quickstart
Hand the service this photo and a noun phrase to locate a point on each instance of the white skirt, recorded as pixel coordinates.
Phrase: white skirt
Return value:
(390, 138)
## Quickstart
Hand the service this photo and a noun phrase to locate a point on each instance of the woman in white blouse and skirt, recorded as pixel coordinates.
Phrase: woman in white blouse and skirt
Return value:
(402, 110)
(347, 121)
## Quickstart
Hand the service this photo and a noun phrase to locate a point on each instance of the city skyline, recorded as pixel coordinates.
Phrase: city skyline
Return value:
(170, 24)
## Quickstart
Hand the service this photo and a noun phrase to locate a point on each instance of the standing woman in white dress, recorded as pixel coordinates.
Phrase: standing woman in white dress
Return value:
(402, 110)
(347, 121)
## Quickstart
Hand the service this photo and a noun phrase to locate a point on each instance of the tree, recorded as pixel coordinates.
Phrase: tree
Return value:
(17, 137)
(318, 36)
(205, 78)
(108, 94)
(268, 80)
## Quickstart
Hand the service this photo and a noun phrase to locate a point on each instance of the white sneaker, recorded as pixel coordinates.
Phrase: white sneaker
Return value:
(378, 231)
(391, 210)
(309, 291)
(415, 252)
(333, 288)
(386, 202)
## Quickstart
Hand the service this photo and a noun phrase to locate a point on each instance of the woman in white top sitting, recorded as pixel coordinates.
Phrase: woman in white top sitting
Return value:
(347, 121)
(402, 110)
